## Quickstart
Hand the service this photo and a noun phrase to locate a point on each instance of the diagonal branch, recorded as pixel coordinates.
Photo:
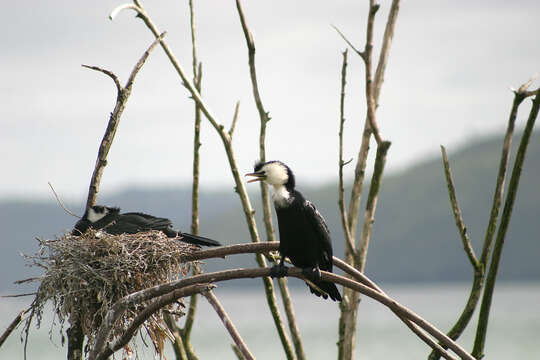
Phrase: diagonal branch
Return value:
(360, 53)
(213, 300)
(457, 213)
(11, 327)
(107, 350)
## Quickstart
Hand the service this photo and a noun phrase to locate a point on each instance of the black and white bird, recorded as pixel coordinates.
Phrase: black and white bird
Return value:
(303, 234)
(110, 220)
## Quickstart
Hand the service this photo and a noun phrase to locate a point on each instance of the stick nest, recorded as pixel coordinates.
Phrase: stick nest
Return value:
(85, 275)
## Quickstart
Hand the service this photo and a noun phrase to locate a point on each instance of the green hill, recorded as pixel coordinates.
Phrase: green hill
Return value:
(414, 235)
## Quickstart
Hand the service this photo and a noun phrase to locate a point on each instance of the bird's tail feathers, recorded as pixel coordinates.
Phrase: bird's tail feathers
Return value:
(198, 240)
(324, 289)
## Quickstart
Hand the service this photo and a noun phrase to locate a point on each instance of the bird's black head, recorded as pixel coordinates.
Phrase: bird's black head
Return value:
(273, 173)
(98, 212)
(95, 217)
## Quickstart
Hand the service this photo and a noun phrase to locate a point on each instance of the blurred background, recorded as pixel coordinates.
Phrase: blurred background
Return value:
(448, 81)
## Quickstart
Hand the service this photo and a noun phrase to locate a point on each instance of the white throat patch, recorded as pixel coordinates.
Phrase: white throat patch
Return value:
(281, 196)
(93, 216)
(276, 174)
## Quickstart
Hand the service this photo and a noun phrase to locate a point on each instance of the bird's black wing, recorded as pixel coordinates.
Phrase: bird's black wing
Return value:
(323, 241)
(134, 222)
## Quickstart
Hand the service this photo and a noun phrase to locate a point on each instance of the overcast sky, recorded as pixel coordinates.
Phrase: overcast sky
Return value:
(447, 81)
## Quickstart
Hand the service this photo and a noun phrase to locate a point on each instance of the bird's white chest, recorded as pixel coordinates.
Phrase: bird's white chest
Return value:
(281, 196)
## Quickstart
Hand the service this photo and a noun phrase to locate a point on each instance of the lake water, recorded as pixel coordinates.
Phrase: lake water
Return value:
(513, 333)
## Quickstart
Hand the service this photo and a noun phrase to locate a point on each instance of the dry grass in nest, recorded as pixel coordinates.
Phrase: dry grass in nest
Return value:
(85, 275)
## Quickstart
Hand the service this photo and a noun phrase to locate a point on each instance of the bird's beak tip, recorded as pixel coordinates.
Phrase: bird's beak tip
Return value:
(257, 177)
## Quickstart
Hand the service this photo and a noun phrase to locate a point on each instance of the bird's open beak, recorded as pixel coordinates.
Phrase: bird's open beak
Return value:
(259, 176)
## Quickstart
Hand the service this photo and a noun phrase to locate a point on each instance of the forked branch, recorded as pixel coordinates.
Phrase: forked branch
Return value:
(114, 120)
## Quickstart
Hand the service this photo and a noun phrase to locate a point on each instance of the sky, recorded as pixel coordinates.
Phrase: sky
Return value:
(448, 80)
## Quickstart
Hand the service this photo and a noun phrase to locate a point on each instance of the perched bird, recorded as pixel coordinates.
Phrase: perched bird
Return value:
(112, 222)
(303, 234)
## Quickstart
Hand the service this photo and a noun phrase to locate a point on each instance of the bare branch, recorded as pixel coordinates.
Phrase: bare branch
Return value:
(370, 290)
(61, 203)
(385, 50)
(291, 318)
(197, 80)
(103, 352)
(119, 9)
(265, 201)
(362, 55)
(212, 299)
(177, 344)
(142, 60)
(106, 142)
(457, 213)
(159, 290)
(235, 118)
(491, 277)
(371, 205)
(108, 73)
(519, 96)
(18, 295)
(11, 327)
(341, 188)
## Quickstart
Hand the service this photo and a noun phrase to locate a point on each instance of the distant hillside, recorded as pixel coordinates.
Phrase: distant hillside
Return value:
(414, 236)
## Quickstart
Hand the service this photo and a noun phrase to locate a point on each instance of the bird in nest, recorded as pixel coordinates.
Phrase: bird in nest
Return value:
(111, 221)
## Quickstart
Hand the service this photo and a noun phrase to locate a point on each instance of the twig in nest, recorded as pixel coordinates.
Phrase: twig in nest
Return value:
(62, 204)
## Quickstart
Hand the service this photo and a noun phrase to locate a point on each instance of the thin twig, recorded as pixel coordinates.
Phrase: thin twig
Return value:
(235, 119)
(483, 317)
(61, 203)
(462, 229)
(348, 42)
(341, 187)
(229, 325)
(18, 295)
(108, 73)
(11, 327)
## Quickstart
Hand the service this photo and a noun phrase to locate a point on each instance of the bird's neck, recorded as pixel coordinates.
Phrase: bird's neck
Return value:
(282, 196)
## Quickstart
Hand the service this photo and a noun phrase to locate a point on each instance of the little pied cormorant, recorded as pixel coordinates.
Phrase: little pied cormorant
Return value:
(304, 236)
(112, 222)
